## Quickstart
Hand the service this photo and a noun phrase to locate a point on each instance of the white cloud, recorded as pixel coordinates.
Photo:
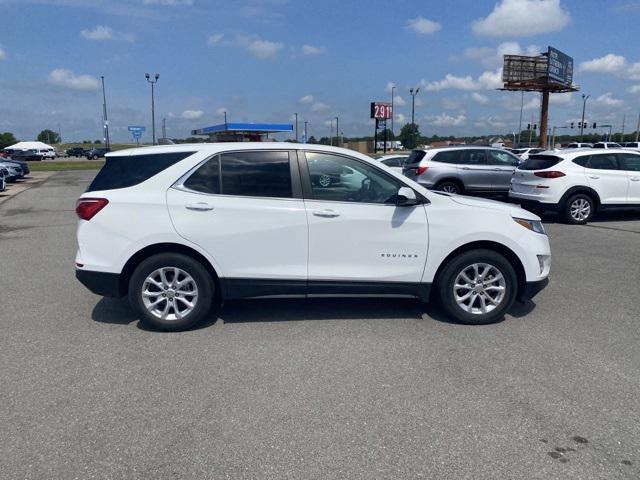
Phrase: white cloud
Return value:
(259, 48)
(320, 107)
(264, 48)
(488, 80)
(215, 39)
(67, 79)
(423, 26)
(561, 98)
(3, 54)
(523, 18)
(493, 57)
(400, 118)
(170, 3)
(484, 122)
(398, 101)
(389, 86)
(607, 100)
(479, 98)
(634, 89)
(105, 33)
(307, 99)
(610, 63)
(445, 120)
(221, 111)
(192, 114)
(313, 50)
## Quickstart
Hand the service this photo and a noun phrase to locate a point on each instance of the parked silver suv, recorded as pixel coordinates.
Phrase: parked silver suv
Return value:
(462, 169)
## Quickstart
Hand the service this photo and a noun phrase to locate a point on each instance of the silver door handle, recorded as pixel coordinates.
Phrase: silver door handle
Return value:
(595, 177)
(326, 213)
(199, 207)
(635, 179)
(466, 168)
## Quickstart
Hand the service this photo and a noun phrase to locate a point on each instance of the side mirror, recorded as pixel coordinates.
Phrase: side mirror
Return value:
(406, 197)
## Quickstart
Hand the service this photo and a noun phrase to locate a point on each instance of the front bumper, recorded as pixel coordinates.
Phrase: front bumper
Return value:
(101, 283)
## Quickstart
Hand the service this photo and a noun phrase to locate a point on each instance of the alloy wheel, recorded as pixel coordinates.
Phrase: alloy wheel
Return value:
(580, 209)
(479, 288)
(169, 293)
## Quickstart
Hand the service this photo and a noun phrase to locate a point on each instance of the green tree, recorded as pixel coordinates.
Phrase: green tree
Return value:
(48, 136)
(7, 139)
(98, 142)
(312, 139)
(409, 135)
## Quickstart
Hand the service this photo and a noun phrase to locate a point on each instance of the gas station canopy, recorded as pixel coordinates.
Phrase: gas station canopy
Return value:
(243, 132)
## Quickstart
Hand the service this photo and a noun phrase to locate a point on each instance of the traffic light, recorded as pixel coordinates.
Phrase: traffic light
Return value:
(594, 124)
(528, 126)
(535, 126)
(571, 124)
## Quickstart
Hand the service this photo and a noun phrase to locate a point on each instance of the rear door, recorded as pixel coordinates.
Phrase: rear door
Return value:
(474, 170)
(503, 165)
(245, 209)
(606, 176)
(631, 165)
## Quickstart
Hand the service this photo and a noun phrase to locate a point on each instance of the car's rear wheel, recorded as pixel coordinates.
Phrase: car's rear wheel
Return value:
(171, 292)
(477, 287)
(449, 186)
(579, 209)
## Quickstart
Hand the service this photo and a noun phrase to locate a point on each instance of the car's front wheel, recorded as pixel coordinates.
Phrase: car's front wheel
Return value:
(171, 292)
(450, 187)
(477, 287)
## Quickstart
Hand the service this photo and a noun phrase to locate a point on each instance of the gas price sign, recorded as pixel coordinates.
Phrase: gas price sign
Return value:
(381, 110)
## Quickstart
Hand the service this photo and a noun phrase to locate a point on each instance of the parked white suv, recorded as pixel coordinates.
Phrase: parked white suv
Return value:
(577, 183)
(181, 228)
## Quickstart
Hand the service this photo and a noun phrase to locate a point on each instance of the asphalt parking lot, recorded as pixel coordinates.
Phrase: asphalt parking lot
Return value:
(318, 388)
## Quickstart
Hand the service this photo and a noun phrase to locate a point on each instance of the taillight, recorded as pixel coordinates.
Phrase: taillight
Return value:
(421, 170)
(87, 208)
(550, 174)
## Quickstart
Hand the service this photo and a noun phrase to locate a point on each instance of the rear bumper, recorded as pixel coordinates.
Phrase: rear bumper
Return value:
(533, 288)
(529, 204)
(101, 283)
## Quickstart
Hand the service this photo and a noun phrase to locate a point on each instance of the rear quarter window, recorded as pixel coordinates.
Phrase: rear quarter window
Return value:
(539, 162)
(582, 161)
(415, 157)
(129, 170)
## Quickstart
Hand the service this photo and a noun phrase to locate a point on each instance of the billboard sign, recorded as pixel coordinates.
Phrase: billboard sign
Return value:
(559, 67)
(381, 110)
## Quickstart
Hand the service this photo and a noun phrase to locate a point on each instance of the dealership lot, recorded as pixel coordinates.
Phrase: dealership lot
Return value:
(316, 389)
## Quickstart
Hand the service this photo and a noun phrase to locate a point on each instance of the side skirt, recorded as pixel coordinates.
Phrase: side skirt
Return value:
(234, 288)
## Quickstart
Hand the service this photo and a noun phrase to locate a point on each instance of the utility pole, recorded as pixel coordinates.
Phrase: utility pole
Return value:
(306, 137)
(544, 118)
(104, 115)
(392, 112)
(584, 106)
(520, 123)
(624, 118)
(337, 132)
(164, 128)
(331, 132)
(59, 134)
(296, 127)
(225, 120)
(153, 105)
(413, 93)
(638, 128)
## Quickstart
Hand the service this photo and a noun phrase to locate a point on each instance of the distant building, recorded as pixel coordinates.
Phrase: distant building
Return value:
(243, 132)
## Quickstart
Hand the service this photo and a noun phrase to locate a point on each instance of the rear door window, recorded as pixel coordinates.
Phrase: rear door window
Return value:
(539, 162)
(630, 162)
(604, 162)
(503, 159)
(256, 174)
(129, 170)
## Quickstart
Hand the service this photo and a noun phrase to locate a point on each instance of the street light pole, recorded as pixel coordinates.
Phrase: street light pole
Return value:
(296, 127)
(105, 127)
(584, 106)
(392, 112)
(520, 124)
(337, 132)
(164, 128)
(153, 105)
(413, 93)
(306, 137)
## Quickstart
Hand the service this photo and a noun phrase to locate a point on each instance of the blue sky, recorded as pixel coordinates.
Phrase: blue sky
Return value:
(262, 60)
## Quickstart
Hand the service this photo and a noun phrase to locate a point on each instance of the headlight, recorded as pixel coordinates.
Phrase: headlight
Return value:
(533, 225)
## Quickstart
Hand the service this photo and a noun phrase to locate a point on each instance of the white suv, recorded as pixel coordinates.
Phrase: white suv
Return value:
(181, 228)
(576, 183)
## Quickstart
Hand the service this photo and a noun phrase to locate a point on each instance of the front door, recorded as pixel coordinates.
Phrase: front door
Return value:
(631, 164)
(242, 209)
(357, 233)
(503, 164)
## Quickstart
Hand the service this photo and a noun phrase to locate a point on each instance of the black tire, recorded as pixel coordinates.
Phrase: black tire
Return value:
(447, 278)
(450, 186)
(203, 282)
(579, 209)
